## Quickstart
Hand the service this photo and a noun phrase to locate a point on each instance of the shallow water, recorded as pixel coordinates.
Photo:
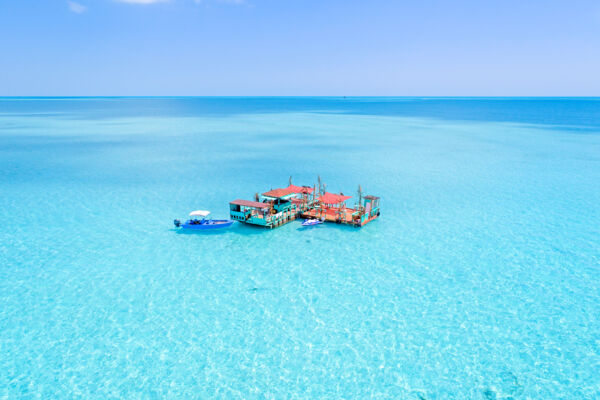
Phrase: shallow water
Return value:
(481, 280)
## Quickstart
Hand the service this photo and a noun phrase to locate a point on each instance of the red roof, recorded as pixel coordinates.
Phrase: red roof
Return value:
(248, 203)
(278, 193)
(299, 189)
(331, 198)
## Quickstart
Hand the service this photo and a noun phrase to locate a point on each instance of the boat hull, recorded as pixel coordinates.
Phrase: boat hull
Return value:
(311, 222)
(208, 225)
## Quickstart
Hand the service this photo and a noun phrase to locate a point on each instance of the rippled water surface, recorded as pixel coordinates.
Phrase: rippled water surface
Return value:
(481, 279)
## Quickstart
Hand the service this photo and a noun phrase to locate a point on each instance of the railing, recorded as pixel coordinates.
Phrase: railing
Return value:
(268, 220)
(281, 218)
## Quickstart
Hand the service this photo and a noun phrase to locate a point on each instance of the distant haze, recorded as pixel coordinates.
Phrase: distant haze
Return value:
(335, 47)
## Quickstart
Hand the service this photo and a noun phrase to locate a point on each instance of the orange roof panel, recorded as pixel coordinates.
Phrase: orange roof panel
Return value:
(300, 189)
(331, 198)
(251, 204)
(278, 193)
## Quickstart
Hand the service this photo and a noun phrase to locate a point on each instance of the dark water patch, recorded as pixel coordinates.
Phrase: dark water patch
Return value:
(505, 386)
(240, 228)
(258, 289)
(580, 130)
(489, 394)
(67, 143)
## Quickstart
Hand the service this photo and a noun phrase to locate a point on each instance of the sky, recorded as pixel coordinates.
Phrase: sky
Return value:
(300, 47)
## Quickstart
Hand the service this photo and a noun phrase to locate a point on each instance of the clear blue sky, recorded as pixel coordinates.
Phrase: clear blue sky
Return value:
(299, 47)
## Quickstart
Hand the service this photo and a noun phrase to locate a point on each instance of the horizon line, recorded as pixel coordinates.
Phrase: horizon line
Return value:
(305, 96)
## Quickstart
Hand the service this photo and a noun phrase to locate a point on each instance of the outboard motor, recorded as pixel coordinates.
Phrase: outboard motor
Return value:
(177, 223)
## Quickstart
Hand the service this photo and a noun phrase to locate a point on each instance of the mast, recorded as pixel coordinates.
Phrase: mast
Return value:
(319, 179)
(359, 199)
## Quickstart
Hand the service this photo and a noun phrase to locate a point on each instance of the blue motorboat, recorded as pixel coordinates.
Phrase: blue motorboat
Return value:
(198, 221)
(312, 222)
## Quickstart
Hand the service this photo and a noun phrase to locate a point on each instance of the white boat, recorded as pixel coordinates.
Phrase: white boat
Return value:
(312, 222)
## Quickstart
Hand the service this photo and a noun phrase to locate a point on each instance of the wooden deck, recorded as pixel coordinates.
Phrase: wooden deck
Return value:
(333, 215)
(328, 207)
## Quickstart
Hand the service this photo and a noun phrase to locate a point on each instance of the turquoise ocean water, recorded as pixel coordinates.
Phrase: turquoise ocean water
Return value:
(481, 279)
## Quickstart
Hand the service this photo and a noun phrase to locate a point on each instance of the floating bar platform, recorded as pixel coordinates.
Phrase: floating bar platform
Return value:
(280, 206)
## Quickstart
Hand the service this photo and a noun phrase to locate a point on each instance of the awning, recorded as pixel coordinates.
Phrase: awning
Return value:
(277, 193)
(299, 189)
(331, 198)
(199, 213)
(251, 204)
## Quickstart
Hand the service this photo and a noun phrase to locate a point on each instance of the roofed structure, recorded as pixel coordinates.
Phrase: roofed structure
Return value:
(299, 189)
(251, 204)
(278, 193)
(331, 198)
(282, 205)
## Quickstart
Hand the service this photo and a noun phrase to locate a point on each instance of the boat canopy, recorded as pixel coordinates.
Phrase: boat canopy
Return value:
(331, 198)
(199, 213)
